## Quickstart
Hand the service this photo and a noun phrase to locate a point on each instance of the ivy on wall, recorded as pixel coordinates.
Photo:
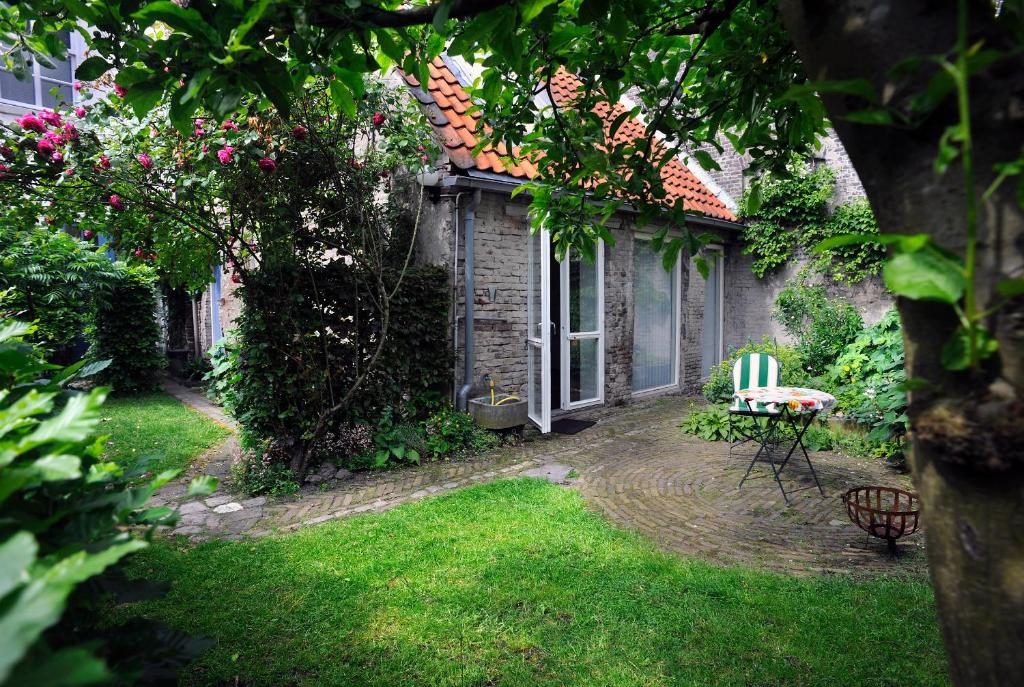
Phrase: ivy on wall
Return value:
(793, 216)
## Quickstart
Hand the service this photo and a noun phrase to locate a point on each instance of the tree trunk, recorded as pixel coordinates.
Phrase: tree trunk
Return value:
(967, 430)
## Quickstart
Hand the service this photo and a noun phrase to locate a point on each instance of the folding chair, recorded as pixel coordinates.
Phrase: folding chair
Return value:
(754, 371)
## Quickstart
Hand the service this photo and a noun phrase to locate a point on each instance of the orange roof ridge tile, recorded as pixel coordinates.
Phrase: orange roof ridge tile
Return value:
(457, 132)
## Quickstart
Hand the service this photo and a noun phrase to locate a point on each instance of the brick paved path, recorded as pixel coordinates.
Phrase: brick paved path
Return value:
(635, 466)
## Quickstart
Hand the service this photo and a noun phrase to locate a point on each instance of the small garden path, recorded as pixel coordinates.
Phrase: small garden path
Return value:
(635, 465)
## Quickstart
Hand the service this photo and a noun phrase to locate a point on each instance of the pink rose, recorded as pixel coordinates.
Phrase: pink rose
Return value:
(153, 132)
(79, 111)
(70, 131)
(57, 157)
(104, 162)
(120, 90)
(229, 125)
(225, 155)
(78, 85)
(87, 234)
(299, 132)
(378, 119)
(46, 147)
(115, 202)
(235, 279)
(206, 148)
(139, 252)
(70, 171)
(53, 136)
(199, 132)
(7, 152)
(267, 165)
(3, 169)
(146, 161)
(31, 123)
(50, 117)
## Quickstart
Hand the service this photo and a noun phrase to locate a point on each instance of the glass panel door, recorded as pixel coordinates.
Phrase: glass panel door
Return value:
(582, 330)
(538, 332)
(711, 339)
(655, 319)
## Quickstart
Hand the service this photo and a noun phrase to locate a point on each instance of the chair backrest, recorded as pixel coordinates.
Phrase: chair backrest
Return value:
(755, 371)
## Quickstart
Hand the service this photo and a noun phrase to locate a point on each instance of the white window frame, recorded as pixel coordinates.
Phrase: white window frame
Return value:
(75, 52)
(567, 336)
(676, 330)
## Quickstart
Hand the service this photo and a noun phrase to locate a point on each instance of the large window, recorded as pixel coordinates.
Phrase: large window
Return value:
(711, 338)
(48, 87)
(655, 320)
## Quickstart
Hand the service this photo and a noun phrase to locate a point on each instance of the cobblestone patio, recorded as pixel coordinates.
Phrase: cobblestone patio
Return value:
(635, 466)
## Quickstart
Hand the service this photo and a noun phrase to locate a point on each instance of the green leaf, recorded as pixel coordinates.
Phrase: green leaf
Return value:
(705, 160)
(875, 117)
(92, 68)
(203, 485)
(702, 266)
(530, 9)
(252, 16)
(275, 82)
(64, 668)
(956, 353)
(904, 243)
(1011, 288)
(143, 97)
(16, 556)
(925, 275)
(184, 19)
(342, 97)
(858, 87)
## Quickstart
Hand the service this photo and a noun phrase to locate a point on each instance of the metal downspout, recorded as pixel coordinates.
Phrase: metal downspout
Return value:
(462, 400)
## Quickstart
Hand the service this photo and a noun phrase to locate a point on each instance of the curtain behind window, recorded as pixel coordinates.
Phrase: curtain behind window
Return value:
(655, 318)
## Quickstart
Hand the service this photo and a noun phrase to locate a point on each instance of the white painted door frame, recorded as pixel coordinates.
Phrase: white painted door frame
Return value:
(568, 336)
(538, 336)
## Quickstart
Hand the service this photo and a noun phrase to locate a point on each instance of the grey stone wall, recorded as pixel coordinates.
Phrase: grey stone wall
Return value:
(749, 300)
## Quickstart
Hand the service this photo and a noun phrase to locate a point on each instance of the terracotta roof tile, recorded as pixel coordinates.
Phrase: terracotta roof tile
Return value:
(448, 102)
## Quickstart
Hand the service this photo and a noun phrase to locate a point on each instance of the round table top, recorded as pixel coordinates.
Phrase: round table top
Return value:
(797, 399)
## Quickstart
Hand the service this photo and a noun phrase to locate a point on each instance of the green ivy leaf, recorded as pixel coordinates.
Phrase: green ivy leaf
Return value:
(1011, 288)
(925, 275)
(203, 485)
(92, 68)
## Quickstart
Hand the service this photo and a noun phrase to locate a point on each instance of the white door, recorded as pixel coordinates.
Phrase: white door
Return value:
(538, 332)
(582, 330)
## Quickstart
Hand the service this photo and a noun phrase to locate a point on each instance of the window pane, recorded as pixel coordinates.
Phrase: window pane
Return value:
(582, 294)
(654, 320)
(62, 69)
(583, 369)
(711, 353)
(64, 95)
(12, 89)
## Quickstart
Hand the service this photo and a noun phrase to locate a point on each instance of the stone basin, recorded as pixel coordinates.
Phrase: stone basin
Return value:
(505, 416)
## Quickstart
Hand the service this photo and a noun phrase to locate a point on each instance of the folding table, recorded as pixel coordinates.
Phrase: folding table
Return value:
(798, 408)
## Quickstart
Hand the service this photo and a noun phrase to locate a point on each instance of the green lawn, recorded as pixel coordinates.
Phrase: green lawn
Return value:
(517, 583)
(157, 425)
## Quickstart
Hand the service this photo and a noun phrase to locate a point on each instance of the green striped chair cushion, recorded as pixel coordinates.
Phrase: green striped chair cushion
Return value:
(755, 371)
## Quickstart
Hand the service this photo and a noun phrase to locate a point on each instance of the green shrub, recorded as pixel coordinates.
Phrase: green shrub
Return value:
(126, 332)
(450, 432)
(261, 472)
(66, 516)
(822, 326)
(869, 381)
(715, 424)
(51, 277)
(719, 389)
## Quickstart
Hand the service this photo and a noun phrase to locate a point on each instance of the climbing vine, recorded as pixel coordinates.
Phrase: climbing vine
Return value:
(793, 216)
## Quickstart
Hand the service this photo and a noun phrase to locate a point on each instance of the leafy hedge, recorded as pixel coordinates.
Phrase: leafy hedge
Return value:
(822, 326)
(52, 278)
(277, 386)
(125, 331)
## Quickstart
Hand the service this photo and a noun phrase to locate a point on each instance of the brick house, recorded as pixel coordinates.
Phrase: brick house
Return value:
(564, 335)
(568, 335)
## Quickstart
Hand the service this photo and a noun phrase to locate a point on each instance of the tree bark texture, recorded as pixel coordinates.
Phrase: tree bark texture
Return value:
(967, 433)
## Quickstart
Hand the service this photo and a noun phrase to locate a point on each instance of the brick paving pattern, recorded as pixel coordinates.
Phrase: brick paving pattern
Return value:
(636, 467)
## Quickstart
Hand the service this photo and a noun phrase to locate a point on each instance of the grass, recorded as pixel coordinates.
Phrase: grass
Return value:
(517, 583)
(157, 425)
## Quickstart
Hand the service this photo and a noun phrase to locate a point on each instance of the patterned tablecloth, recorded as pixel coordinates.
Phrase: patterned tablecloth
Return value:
(797, 399)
